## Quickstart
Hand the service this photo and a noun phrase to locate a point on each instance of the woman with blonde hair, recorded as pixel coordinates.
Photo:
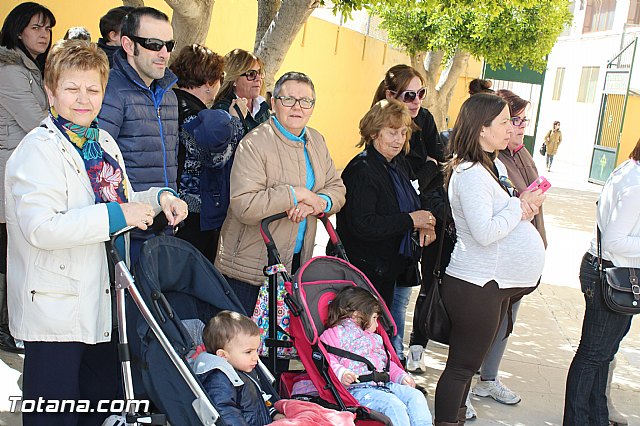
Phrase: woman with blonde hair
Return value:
(243, 84)
(382, 208)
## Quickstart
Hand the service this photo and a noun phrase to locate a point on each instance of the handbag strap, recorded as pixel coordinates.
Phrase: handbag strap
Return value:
(437, 270)
(599, 250)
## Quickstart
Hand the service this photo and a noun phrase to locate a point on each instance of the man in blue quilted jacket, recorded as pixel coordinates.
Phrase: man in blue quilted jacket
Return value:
(139, 110)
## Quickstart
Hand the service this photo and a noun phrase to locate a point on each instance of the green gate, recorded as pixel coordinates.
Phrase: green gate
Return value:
(612, 111)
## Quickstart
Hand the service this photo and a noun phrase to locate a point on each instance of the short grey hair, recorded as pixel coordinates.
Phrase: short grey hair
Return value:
(293, 76)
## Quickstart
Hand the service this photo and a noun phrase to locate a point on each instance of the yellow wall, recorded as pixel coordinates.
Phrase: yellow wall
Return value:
(346, 66)
(630, 129)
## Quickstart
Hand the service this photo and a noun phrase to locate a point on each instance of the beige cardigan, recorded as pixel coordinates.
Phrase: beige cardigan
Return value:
(266, 166)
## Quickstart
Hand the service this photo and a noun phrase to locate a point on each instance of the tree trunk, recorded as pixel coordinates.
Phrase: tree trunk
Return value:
(267, 10)
(439, 91)
(191, 21)
(276, 41)
(133, 3)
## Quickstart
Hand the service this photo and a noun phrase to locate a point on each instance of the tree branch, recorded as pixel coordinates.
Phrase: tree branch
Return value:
(191, 21)
(449, 77)
(267, 10)
(276, 41)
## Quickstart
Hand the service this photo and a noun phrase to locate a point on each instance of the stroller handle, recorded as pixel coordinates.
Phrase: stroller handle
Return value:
(333, 236)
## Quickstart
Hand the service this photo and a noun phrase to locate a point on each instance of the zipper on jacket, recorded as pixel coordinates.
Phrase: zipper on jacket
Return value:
(60, 293)
(157, 106)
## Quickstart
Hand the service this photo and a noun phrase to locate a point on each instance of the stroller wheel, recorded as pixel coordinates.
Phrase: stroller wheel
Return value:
(115, 420)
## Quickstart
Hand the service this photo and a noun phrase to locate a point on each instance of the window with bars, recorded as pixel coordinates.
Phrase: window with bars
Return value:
(599, 15)
(588, 81)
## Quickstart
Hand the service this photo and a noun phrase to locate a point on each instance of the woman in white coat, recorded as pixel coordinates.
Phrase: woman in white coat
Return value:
(67, 190)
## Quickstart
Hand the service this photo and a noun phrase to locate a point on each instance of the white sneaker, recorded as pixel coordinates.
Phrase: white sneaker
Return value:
(471, 412)
(415, 363)
(496, 390)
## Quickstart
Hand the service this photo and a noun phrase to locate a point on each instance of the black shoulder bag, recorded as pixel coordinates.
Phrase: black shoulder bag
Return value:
(433, 318)
(620, 286)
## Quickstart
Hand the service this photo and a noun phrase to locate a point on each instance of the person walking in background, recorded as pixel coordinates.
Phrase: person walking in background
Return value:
(552, 140)
(110, 25)
(208, 140)
(480, 281)
(139, 110)
(426, 152)
(618, 220)
(24, 45)
(243, 83)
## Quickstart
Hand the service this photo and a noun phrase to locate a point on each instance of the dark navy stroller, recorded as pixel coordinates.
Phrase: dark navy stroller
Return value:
(174, 285)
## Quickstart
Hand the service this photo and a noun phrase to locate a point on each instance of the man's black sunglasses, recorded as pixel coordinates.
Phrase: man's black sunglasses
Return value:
(154, 44)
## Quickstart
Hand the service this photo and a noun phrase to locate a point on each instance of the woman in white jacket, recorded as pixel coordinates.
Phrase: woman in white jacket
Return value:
(481, 280)
(67, 190)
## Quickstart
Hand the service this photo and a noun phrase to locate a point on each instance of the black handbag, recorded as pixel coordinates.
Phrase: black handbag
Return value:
(543, 149)
(620, 286)
(433, 319)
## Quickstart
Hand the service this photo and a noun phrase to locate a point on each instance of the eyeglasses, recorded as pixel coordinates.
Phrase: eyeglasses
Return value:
(154, 44)
(520, 122)
(253, 74)
(409, 96)
(506, 182)
(290, 101)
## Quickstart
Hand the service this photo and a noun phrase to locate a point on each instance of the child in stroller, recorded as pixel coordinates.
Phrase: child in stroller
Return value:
(227, 371)
(355, 350)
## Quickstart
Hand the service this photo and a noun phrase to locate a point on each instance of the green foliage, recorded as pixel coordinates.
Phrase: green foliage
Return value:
(499, 31)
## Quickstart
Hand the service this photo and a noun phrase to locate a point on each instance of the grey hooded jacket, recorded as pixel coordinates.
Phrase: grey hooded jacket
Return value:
(23, 104)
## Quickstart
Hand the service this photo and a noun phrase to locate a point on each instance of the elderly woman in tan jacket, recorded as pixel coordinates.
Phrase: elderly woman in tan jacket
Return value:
(281, 165)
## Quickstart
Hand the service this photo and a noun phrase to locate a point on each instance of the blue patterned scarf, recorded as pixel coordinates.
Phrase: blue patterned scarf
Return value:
(105, 174)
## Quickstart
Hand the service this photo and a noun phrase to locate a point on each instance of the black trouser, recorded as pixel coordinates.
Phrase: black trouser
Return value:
(476, 314)
(205, 241)
(70, 371)
(4, 316)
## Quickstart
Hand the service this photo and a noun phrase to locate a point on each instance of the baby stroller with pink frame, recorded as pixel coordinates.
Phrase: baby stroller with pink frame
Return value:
(309, 294)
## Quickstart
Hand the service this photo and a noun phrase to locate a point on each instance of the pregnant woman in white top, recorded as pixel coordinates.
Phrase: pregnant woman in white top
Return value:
(498, 255)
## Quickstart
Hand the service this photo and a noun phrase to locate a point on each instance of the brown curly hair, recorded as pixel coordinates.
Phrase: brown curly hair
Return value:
(353, 302)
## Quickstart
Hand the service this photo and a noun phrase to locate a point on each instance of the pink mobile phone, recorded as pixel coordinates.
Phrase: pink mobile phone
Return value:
(541, 183)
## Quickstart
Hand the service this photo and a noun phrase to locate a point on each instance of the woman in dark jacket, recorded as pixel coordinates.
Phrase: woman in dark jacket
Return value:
(243, 83)
(208, 139)
(426, 153)
(382, 208)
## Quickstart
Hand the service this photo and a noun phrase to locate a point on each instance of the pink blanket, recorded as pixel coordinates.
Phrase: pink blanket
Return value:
(303, 413)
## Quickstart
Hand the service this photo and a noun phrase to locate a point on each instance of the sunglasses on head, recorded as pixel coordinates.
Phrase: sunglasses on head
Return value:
(410, 95)
(252, 74)
(154, 44)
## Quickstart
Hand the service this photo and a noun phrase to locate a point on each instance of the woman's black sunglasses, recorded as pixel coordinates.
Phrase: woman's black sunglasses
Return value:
(154, 44)
(410, 95)
(253, 74)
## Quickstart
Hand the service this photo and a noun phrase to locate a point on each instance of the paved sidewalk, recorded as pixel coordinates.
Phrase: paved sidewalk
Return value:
(545, 335)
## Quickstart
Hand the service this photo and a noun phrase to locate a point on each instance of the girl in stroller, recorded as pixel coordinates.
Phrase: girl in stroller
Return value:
(355, 348)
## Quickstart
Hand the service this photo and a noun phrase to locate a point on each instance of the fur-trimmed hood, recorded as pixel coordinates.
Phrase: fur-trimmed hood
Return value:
(10, 57)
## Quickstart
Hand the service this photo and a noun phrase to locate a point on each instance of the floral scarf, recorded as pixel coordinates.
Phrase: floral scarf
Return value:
(105, 174)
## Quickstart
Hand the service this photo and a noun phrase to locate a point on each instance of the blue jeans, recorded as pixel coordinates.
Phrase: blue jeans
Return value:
(404, 405)
(398, 311)
(602, 331)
